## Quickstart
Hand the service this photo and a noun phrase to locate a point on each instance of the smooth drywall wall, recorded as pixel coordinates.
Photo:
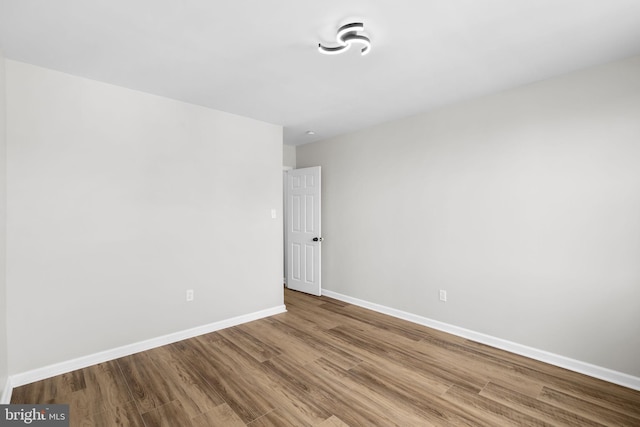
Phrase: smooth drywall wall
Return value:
(524, 206)
(3, 237)
(118, 202)
(289, 156)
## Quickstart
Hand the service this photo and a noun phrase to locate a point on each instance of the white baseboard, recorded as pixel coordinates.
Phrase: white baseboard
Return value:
(599, 372)
(23, 378)
(6, 393)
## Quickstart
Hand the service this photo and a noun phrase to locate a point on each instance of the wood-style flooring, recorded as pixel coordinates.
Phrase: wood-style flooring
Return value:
(331, 364)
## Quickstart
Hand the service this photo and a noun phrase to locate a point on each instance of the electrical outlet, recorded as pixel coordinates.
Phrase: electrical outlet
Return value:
(189, 294)
(443, 295)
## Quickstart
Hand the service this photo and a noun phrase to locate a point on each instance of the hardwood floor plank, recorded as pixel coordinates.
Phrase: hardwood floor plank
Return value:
(280, 418)
(297, 392)
(310, 308)
(291, 296)
(364, 406)
(104, 394)
(149, 389)
(287, 402)
(171, 414)
(587, 409)
(399, 327)
(314, 339)
(457, 354)
(535, 408)
(582, 386)
(401, 379)
(105, 388)
(599, 393)
(320, 389)
(311, 315)
(178, 382)
(411, 393)
(220, 416)
(243, 387)
(253, 346)
(332, 421)
(282, 341)
(41, 391)
(495, 411)
(44, 391)
(195, 394)
(299, 410)
(124, 416)
(289, 374)
(424, 363)
(84, 405)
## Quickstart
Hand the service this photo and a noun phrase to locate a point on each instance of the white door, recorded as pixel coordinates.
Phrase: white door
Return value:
(303, 230)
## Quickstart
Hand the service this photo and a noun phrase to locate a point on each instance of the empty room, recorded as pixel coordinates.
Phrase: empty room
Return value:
(337, 213)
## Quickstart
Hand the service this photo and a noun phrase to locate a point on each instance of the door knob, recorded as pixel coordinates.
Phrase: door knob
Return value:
(318, 239)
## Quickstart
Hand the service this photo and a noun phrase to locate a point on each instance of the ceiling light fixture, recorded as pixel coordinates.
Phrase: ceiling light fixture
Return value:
(347, 35)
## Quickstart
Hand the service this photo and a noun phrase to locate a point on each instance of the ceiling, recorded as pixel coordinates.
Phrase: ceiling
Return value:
(259, 58)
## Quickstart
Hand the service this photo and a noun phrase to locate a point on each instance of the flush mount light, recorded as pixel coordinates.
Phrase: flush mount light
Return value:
(347, 35)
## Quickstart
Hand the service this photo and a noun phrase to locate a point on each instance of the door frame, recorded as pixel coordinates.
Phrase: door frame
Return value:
(285, 210)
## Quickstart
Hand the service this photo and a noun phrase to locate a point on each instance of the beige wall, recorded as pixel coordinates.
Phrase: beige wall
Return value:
(3, 237)
(120, 201)
(289, 156)
(524, 206)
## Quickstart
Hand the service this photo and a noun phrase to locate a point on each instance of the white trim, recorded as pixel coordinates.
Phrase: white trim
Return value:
(6, 393)
(585, 368)
(104, 356)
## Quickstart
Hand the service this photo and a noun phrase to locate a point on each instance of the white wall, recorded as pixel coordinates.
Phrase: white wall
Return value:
(120, 201)
(289, 156)
(524, 206)
(3, 237)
